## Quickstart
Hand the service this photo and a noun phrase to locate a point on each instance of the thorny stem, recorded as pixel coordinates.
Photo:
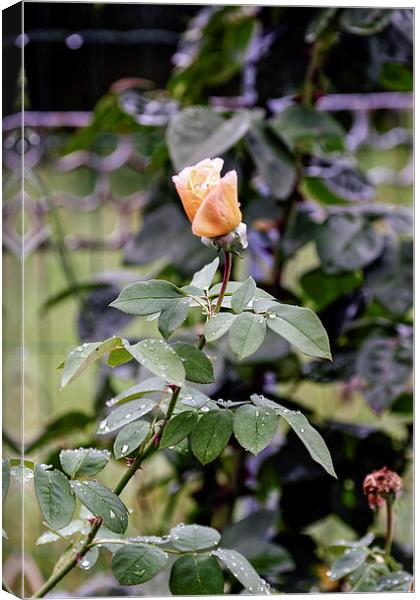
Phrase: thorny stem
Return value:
(390, 522)
(70, 564)
(226, 276)
(175, 393)
(144, 452)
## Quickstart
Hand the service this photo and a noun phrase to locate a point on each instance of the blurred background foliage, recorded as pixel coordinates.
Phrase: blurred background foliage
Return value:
(312, 107)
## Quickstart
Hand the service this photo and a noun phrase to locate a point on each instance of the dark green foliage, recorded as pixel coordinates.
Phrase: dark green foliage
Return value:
(196, 574)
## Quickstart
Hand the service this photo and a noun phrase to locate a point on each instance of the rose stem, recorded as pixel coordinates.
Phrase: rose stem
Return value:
(226, 276)
(389, 526)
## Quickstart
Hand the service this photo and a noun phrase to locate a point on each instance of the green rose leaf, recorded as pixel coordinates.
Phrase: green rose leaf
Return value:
(81, 357)
(84, 461)
(385, 366)
(118, 357)
(130, 437)
(299, 423)
(323, 288)
(218, 326)
(274, 164)
(307, 130)
(246, 334)
(130, 411)
(196, 133)
(147, 297)
(351, 560)
(254, 426)
(396, 582)
(347, 242)
(211, 435)
(204, 277)
(242, 570)
(198, 367)
(148, 386)
(243, 295)
(178, 428)
(54, 495)
(76, 526)
(196, 574)
(301, 327)
(173, 316)
(190, 538)
(181, 448)
(190, 397)
(366, 577)
(393, 271)
(102, 502)
(136, 564)
(22, 471)
(159, 358)
(231, 288)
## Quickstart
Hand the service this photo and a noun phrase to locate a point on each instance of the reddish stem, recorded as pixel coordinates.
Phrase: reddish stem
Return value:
(226, 276)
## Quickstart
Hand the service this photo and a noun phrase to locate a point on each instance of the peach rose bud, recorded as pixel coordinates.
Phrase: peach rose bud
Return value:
(210, 201)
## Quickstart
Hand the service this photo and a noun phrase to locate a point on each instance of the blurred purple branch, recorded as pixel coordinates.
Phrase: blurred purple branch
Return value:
(353, 102)
(47, 119)
(330, 103)
(373, 101)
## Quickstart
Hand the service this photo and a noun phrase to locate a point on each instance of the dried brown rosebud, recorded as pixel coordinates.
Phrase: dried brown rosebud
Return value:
(380, 486)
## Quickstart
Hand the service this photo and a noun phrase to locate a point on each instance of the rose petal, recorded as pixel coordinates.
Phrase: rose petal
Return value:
(219, 212)
(190, 201)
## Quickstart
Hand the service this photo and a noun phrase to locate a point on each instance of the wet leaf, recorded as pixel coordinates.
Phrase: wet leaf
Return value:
(130, 438)
(211, 435)
(196, 574)
(190, 538)
(197, 365)
(178, 428)
(254, 427)
(242, 570)
(126, 413)
(102, 502)
(246, 334)
(136, 564)
(54, 495)
(84, 461)
(159, 358)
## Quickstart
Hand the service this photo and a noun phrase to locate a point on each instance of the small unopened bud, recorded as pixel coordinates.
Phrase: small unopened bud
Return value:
(380, 486)
(235, 241)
